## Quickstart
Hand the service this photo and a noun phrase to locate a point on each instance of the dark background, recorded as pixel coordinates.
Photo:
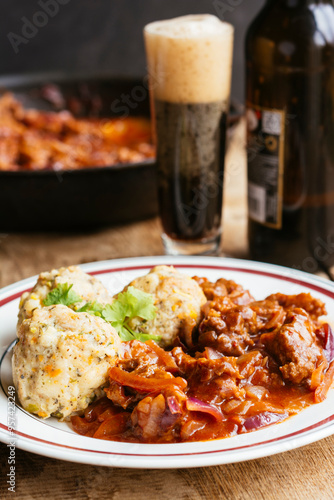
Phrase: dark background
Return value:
(103, 36)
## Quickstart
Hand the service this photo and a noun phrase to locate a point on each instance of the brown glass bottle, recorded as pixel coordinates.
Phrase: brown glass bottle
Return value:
(290, 109)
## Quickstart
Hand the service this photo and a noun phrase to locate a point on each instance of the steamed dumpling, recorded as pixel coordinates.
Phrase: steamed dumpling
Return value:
(178, 299)
(62, 359)
(90, 289)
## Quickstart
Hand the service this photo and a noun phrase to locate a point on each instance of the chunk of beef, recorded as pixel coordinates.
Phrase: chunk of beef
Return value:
(295, 347)
(227, 327)
(314, 307)
(269, 314)
(224, 288)
(204, 368)
(202, 374)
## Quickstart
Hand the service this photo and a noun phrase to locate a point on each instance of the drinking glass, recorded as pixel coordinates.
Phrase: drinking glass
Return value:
(189, 66)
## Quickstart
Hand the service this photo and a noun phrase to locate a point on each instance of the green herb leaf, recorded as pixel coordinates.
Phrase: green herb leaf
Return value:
(141, 303)
(130, 304)
(146, 336)
(116, 312)
(62, 294)
(123, 332)
(92, 308)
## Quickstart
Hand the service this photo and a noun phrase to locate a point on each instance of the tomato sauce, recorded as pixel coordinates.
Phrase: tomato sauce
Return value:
(248, 364)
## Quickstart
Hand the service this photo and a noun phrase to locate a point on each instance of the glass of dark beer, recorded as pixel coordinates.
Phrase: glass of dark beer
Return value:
(189, 65)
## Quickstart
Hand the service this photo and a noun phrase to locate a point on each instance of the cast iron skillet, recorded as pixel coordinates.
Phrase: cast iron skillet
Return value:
(80, 199)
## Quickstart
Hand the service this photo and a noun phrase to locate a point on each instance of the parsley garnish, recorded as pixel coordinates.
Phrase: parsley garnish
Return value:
(132, 303)
(62, 294)
(92, 308)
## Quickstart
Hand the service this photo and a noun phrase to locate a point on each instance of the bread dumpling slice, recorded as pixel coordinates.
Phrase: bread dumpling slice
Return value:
(62, 359)
(178, 299)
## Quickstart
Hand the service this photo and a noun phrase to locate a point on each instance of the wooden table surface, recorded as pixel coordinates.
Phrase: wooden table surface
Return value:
(305, 473)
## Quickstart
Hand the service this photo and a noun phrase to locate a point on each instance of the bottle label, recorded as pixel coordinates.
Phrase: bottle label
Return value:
(265, 165)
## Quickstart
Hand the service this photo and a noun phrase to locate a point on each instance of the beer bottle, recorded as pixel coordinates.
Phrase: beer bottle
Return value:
(290, 139)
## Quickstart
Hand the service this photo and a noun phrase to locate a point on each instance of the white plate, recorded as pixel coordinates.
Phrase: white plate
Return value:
(57, 440)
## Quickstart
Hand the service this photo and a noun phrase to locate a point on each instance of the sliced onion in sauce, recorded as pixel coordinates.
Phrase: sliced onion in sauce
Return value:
(194, 404)
(266, 418)
(232, 405)
(255, 391)
(212, 353)
(329, 343)
(244, 407)
(173, 405)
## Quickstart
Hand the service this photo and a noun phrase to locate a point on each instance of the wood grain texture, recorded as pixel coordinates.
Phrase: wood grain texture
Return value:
(306, 473)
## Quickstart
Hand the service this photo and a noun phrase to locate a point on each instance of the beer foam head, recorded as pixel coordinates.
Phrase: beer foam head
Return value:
(190, 58)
